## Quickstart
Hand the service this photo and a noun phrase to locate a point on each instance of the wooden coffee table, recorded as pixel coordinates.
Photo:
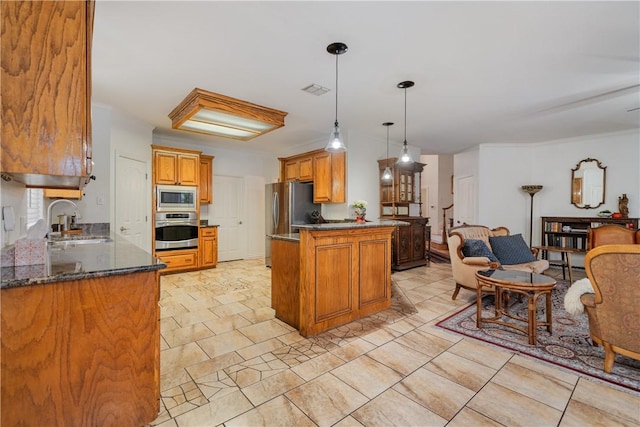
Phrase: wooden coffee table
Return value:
(530, 285)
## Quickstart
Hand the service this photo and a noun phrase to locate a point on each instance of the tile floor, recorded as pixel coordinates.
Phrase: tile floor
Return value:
(226, 360)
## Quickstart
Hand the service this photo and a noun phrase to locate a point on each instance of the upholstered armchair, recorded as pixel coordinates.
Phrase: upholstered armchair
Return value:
(612, 234)
(465, 263)
(614, 272)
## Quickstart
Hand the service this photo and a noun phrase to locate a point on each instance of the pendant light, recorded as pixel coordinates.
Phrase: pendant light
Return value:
(405, 157)
(335, 140)
(386, 175)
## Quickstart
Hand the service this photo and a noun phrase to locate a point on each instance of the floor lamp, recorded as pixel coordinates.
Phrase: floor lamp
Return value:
(532, 190)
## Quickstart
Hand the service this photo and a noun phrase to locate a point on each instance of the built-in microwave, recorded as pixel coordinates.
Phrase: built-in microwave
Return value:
(176, 198)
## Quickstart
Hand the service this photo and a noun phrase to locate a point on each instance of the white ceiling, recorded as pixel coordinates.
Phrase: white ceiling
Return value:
(495, 72)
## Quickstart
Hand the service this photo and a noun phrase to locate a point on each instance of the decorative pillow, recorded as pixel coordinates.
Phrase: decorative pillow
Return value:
(473, 247)
(511, 250)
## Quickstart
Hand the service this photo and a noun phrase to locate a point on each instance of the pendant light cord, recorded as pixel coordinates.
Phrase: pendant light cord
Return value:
(405, 116)
(336, 123)
(387, 144)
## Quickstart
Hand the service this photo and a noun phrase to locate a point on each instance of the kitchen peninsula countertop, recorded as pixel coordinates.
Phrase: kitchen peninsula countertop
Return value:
(82, 261)
(351, 225)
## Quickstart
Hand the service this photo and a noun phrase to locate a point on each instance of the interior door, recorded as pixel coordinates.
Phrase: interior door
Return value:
(130, 200)
(465, 200)
(227, 213)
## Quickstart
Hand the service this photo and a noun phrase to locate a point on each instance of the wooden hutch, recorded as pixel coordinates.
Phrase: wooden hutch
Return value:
(409, 244)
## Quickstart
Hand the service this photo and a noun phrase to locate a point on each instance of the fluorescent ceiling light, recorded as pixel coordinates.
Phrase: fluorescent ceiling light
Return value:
(211, 113)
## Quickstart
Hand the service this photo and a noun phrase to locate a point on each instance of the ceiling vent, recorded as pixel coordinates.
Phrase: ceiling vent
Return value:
(315, 89)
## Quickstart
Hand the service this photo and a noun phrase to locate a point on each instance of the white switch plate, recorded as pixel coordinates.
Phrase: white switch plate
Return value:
(100, 200)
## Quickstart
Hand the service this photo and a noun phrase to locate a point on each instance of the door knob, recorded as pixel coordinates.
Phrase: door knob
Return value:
(239, 222)
(123, 229)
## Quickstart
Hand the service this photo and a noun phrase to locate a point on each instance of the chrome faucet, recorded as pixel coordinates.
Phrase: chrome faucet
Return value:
(76, 212)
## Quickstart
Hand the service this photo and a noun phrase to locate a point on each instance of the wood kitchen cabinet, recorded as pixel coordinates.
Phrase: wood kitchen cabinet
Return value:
(206, 179)
(175, 166)
(179, 259)
(46, 92)
(81, 352)
(326, 170)
(208, 246)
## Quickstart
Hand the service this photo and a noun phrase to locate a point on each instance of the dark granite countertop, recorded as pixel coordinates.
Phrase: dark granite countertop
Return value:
(208, 225)
(84, 261)
(351, 225)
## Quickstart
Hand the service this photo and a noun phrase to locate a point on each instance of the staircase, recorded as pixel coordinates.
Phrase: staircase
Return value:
(440, 252)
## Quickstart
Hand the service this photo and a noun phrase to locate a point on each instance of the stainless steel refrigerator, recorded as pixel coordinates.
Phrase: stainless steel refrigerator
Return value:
(287, 204)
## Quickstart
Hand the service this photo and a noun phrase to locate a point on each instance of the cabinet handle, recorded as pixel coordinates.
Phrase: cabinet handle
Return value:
(123, 229)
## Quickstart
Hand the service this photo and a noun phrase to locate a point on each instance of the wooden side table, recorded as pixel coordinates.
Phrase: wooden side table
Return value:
(530, 285)
(565, 257)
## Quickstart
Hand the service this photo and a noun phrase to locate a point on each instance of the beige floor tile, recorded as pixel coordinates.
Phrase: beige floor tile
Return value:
(579, 414)
(224, 343)
(532, 384)
(608, 399)
(264, 330)
(261, 348)
(191, 317)
(484, 354)
(393, 409)
(172, 377)
(468, 418)
(273, 386)
(229, 309)
(227, 323)
(381, 336)
(191, 333)
(256, 369)
(467, 373)
(216, 412)
(326, 399)
(214, 364)
(277, 412)
(399, 357)
(317, 366)
(181, 357)
(546, 369)
(168, 324)
(367, 375)
(291, 338)
(216, 385)
(352, 350)
(513, 409)
(172, 310)
(424, 342)
(348, 422)
(438, 394)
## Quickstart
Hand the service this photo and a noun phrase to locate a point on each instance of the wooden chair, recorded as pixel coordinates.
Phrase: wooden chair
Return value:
(614, 272)
(612, 234)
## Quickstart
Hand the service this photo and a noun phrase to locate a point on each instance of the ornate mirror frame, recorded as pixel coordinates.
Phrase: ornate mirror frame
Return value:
(588, 180)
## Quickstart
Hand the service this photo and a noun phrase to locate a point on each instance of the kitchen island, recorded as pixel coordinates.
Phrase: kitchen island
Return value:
(81, 337)
(331, 274)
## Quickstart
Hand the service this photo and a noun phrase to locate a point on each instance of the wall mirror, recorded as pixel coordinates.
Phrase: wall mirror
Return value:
(588, 184)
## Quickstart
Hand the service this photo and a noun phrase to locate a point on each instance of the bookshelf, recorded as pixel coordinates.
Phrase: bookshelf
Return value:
(572, 232)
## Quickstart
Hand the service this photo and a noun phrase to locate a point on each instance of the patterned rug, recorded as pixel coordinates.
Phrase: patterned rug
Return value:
(569, 346)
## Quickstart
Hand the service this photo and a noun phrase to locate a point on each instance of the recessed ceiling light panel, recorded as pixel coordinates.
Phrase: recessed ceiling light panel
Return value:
(211, 113)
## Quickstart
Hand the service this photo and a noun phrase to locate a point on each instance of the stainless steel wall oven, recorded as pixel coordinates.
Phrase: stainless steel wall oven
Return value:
(176, 230)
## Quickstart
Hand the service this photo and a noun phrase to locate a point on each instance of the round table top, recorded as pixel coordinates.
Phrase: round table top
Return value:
(516, 278)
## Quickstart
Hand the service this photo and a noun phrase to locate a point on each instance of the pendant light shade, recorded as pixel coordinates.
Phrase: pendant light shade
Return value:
(405, 157)
(387, 175)
(335, 140)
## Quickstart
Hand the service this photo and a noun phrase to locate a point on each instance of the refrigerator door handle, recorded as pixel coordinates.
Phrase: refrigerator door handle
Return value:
(276, 212)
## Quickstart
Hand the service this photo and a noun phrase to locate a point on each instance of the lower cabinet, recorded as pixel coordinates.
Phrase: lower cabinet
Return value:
(409, 244)
(208, 242)
(81, 352)
(179, 260)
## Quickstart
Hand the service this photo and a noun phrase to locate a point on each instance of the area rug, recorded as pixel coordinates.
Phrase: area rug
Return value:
(569, 345)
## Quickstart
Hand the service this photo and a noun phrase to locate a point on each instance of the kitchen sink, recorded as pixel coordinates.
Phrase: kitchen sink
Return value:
(70, 242)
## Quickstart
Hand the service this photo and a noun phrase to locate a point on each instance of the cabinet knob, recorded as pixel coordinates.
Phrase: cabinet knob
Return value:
(123, 229)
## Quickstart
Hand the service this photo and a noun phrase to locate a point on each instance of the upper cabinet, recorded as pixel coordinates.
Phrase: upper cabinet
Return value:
(175, 166)
(402, 190)
(326, 171)
(206, 179)
(46, 92)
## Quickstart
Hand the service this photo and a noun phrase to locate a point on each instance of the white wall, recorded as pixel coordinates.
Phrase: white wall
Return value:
(501, 170)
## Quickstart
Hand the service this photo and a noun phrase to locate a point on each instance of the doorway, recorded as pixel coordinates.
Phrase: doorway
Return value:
(130, 200)
(227, 212)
